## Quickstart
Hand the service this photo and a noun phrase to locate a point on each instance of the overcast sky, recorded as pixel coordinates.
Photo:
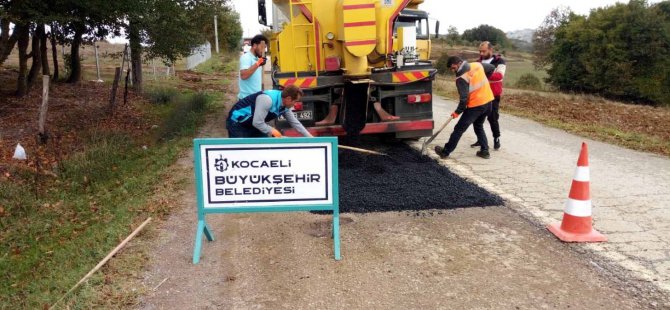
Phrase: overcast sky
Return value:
(506, 15)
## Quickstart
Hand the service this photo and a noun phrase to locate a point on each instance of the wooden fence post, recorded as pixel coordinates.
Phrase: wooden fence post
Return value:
(43, 109)
(125, 93)
(115, 85)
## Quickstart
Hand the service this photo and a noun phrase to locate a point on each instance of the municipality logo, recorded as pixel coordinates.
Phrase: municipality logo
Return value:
(221, 164)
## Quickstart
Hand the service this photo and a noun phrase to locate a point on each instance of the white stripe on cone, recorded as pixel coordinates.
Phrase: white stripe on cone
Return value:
(582, 174)
(580, 208)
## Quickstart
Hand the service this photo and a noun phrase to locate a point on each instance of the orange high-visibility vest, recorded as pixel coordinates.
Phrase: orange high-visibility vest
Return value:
(480, 90)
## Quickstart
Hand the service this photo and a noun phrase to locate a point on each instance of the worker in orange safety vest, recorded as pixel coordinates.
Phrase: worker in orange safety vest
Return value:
(474, 103)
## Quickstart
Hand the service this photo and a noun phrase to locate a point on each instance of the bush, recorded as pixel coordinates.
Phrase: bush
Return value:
(441, 64)
(162, 95)
(185, 116)
(618, 52)
(529, 81)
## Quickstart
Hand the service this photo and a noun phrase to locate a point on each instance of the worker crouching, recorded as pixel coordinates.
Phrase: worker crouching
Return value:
(474, 103)
(249, 116)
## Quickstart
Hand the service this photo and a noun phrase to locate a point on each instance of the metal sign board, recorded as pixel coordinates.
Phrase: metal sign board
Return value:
(265, 175)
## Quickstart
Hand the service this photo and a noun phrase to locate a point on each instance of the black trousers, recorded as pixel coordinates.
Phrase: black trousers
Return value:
(471, 116)
(494, 116)
(237, 130)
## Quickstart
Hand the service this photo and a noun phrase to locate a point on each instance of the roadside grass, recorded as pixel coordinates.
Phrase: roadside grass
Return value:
(52, 239)
(518, 63)
(56, 229)
(609, 133)
(217, 65)
(584, 115)
(516, 68)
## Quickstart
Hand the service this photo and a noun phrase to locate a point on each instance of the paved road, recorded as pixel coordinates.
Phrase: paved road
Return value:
(533, 170)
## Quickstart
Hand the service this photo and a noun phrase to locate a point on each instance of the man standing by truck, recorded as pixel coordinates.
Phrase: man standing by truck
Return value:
(251, 67)
(474, 103)
(486, 56)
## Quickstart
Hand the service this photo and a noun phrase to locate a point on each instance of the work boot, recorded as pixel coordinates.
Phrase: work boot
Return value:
(484, 154)
(476, 144)
(496, 143)
(440, 152)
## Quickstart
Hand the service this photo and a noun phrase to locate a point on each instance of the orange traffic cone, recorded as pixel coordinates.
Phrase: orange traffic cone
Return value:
(576, 225)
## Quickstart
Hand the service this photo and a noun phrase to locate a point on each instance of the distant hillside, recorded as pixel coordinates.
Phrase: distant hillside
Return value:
(522, 35)
(522, 46)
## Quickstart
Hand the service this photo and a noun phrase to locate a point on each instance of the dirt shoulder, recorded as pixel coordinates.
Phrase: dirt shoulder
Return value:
(465, 258)
(638, 127)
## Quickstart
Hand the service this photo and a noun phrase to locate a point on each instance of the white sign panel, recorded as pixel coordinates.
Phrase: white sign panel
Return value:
(243, 175)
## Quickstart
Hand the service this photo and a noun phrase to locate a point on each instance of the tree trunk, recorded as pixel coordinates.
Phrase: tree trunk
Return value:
(75, 64)
(43, 50)
(23, 38)
(135, 56)
(7, 42)
(37, 59)
(54, 51)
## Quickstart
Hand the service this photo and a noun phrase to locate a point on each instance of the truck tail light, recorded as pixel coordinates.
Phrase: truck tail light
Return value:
(419, 98)
(332, 63)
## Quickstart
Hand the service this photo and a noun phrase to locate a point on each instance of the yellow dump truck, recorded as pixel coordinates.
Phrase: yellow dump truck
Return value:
(363, 64)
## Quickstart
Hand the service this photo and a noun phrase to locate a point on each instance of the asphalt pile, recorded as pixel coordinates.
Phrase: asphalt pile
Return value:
(405, 180)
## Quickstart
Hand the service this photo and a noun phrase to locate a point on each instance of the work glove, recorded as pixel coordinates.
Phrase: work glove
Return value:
(275, 133)
(454, 115)
(261, 61)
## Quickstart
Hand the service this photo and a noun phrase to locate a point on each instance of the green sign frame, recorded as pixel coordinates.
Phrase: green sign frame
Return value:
(204, 171)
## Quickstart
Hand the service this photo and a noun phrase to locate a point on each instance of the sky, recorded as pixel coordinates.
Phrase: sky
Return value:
(504, 15)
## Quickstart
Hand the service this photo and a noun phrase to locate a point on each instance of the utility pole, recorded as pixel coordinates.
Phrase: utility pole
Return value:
(216, 35)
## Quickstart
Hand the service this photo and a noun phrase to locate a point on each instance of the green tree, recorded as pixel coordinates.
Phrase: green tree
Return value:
(229, 26)
(544, 36)
(453, 37)
(486, 33)
(174, 28)
(7, 41)
(22, 13)
(84, 21)
(620, 51)
(171, 29)
(567, 71)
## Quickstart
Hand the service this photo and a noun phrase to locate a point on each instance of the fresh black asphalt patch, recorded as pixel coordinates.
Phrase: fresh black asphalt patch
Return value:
(402, 181)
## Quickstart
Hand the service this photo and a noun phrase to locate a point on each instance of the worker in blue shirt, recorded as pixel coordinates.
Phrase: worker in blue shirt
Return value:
(249, 117)
(251, 67)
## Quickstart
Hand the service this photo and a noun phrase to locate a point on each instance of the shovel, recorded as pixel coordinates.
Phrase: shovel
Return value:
(429, 140)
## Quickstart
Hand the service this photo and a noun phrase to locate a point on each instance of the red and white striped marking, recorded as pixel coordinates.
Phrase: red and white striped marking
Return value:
(419, 98)
(579, 199)
(577, 222)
